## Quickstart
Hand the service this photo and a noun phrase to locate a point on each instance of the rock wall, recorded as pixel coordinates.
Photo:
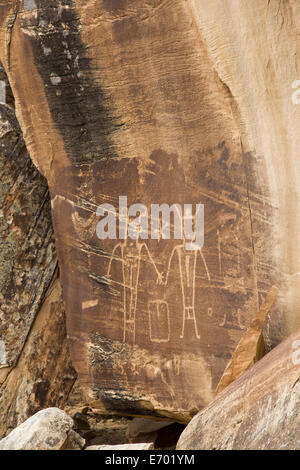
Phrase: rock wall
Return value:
(163, 102)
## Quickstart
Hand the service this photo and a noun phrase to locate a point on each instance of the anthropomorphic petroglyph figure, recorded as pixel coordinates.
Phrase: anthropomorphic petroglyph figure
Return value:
(187, 261)
(130, 253)
(233, 319)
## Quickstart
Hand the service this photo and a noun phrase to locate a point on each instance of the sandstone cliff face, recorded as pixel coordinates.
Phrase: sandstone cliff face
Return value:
(163, 102)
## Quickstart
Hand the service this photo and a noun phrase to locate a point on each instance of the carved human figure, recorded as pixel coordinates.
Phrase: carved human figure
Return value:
(130, 253)
(187, 262)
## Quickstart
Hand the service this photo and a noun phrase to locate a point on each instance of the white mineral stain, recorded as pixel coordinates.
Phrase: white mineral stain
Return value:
(47, 50)
(55, 79)
(61, 198)
(2, 91)
(61, 8)
(89, 304)
(69, 55)
(29, 5)
(2, 353)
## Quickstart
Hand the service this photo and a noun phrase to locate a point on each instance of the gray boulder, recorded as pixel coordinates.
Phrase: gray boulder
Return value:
(48, 429)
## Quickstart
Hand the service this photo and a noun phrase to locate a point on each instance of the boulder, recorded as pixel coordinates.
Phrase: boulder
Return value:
(46, 430)
(74, 441)
(259, 411)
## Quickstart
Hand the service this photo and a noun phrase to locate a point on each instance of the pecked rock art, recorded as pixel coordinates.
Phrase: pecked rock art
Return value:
(151, 314)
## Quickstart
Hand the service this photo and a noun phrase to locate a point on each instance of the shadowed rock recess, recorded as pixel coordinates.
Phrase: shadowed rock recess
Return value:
(164, 102)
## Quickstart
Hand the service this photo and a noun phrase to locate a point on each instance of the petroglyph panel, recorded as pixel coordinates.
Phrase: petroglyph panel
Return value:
(127, 98)
(155, 295)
